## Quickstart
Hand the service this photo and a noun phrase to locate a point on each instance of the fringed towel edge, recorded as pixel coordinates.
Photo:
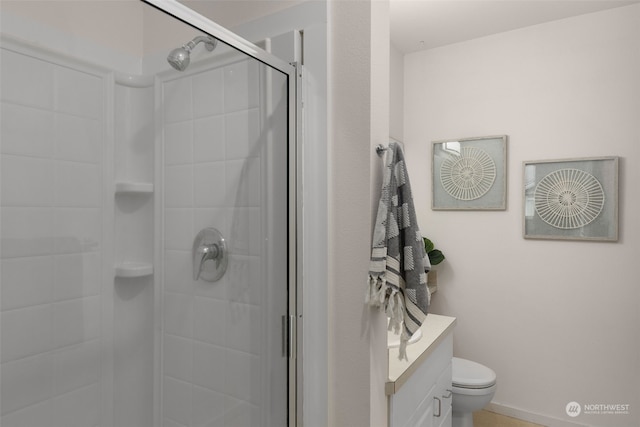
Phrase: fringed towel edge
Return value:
(376, 291)
(391, 299)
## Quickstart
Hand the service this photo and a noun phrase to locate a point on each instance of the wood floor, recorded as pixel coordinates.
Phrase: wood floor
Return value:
(491, 419)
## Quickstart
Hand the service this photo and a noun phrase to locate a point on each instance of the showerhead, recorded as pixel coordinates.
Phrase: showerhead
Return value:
(180, 58)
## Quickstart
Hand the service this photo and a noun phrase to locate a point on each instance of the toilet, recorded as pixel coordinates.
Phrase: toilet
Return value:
(473, 388)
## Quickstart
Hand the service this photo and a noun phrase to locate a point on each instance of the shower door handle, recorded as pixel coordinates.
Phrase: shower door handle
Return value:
(288, 336)
(210, 256)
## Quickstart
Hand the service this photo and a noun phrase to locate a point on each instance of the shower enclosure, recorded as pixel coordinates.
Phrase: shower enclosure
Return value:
(148, 222)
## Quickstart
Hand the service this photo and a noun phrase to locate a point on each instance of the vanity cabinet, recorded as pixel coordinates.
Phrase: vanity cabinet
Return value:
(423, 397)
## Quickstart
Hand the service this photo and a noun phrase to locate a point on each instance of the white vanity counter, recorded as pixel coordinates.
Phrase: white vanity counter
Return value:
(435, 330)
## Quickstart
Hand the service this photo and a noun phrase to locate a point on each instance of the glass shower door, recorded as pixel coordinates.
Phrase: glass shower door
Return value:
(225, 168)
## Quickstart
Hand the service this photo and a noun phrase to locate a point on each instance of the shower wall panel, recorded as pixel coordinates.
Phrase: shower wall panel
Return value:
(222, 361)
(54, 118)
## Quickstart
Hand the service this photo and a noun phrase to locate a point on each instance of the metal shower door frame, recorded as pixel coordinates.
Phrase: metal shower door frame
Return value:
(294, 209)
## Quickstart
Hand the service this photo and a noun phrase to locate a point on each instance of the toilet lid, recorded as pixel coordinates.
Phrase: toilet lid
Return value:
(469, 374)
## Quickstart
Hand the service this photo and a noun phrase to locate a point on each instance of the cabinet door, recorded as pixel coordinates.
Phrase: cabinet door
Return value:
(442, 399)
(426, 420)
(422, 415)
(447, 420)
(414, 404)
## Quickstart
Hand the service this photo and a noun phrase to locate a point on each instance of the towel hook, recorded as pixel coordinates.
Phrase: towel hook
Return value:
(380, 149)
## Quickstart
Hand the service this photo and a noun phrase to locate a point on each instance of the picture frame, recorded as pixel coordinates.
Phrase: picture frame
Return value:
(571, 199)
(469, 173)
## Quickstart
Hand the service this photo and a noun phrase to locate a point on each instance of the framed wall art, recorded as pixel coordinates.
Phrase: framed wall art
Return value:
(574, 199)
(469, 174)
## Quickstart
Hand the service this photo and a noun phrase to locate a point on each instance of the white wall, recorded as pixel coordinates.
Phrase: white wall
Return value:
(379, 134)
(82, 29)
(90, 20)
(358, 120)
(557, 320)
(396, 93)
(349, 210)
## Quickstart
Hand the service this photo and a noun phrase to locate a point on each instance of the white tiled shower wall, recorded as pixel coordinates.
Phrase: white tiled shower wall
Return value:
(221, 343)
(53, 134)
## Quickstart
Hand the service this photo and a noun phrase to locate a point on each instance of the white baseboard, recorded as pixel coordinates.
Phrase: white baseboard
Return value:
(531, 417)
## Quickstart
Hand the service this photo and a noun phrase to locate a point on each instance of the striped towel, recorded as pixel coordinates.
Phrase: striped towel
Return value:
(397, 273)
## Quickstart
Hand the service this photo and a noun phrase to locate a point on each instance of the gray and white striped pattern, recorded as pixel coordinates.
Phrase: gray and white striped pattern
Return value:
(397, 272)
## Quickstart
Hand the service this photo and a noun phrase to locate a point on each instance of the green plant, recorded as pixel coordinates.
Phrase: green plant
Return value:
(435, 255)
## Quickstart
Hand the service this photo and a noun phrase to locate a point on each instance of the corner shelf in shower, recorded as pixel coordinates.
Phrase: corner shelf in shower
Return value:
(133, 269)
(134, 188)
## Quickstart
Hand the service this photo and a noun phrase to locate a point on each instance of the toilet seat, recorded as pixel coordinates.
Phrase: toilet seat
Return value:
(471, 375)
(462, 391)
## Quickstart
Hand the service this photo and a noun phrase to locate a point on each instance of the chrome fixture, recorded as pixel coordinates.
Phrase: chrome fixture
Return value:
(179, 58)
(210, 255)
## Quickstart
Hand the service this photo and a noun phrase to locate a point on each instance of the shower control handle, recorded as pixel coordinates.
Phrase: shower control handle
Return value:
(208, 246)
(209, 252)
